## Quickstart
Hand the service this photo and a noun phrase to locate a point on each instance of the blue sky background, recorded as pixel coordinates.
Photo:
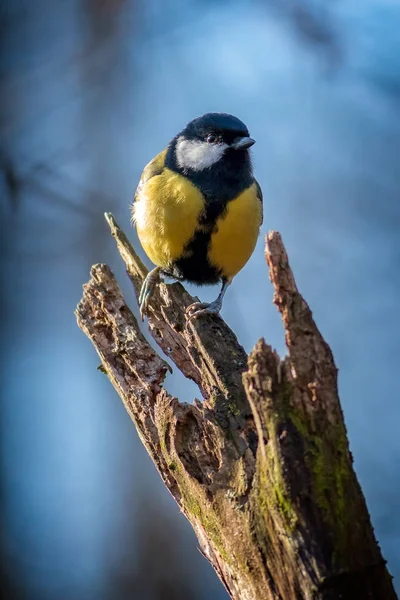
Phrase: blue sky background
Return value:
(90, 91)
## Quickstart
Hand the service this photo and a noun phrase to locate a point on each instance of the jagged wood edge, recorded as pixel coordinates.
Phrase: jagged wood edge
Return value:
(206, 453)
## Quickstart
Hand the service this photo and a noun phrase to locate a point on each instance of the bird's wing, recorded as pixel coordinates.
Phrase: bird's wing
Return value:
(153, 168)
(260, 197)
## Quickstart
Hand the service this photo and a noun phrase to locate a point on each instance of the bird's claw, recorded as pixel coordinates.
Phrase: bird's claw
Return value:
(143, 304)
(202, 308)
(147, 290)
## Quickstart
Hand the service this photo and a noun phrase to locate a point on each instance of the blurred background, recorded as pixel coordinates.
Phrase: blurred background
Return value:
(90, 90)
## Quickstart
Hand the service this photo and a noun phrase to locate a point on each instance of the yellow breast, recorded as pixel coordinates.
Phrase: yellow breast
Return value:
(166, 211)
(235, 236)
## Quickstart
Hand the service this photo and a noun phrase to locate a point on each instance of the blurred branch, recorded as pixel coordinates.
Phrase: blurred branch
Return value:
(261, 468)
(11, 180)
(313, 22)
(171, 576)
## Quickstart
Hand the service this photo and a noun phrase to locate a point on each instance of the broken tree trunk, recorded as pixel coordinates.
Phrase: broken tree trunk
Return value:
(261, 467)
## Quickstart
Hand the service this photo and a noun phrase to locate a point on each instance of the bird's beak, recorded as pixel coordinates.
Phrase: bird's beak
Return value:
(241, 143)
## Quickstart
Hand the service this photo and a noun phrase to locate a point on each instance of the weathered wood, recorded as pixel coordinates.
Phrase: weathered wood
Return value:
(261, 467)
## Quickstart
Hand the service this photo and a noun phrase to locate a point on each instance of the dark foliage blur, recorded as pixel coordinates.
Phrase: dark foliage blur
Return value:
(90, 90)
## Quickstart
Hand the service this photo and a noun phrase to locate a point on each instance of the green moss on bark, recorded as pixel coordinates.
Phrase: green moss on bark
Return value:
(327, 459)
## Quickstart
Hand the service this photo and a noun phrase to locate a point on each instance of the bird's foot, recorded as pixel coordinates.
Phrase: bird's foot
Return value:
(147, 289)
(203, 308)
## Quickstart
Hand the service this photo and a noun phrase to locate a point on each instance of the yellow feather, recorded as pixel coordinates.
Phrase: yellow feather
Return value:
(236, 234)
(166, 211)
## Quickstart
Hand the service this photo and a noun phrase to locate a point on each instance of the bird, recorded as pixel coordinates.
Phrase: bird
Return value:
(198, 208)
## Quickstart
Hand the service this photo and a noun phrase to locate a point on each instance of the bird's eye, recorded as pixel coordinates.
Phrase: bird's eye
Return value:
(211, 138)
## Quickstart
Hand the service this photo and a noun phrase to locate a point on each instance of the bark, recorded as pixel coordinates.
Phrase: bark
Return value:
(261, 466)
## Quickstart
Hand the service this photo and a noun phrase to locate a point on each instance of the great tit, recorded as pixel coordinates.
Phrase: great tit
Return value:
(198, 208)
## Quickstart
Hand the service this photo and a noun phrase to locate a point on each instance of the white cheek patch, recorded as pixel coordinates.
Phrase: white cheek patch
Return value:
(198, 155)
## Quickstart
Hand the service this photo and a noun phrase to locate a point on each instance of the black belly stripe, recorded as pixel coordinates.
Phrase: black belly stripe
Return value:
(194, 265)
(219, 185)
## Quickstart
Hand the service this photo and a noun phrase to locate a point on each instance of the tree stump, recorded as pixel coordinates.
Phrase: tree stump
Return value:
(261, 467)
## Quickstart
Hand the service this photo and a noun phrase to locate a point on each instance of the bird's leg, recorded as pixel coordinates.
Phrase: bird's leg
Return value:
(203, 308)
(153, 277)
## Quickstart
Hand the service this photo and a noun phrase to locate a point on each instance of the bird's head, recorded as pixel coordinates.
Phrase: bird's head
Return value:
(209, 139)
